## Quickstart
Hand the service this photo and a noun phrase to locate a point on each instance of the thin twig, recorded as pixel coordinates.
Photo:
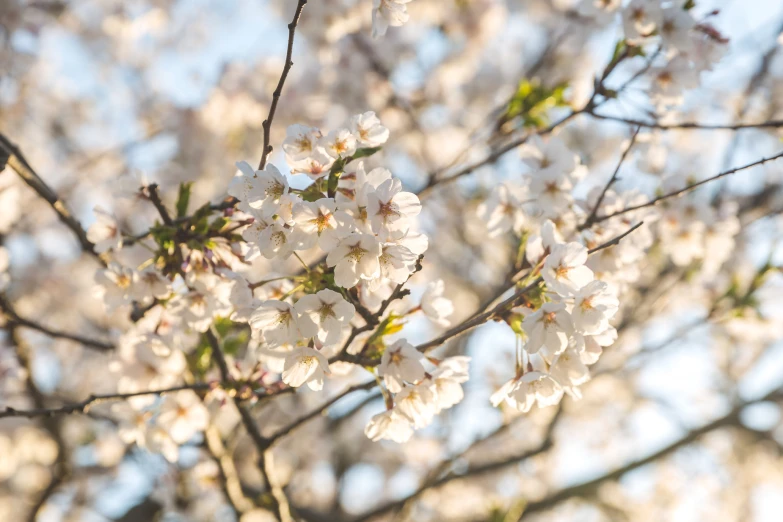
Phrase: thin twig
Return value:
(591, 218)
(278, 500)
(285, 430)
(688, 188)
(19, 164)
(85, 405)
(587, 488)
(12, 316)
(154, 197)
(771, 124)
(267, 125)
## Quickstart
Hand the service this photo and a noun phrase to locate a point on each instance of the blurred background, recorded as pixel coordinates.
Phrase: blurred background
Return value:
(96, 91)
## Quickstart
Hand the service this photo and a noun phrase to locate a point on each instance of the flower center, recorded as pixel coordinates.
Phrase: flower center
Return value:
(304, 144)
(322, 222)
(357, 252)
(388, 210)
(326, 311)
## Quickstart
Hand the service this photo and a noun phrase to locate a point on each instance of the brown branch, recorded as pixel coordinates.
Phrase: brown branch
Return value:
(590, 486)
(278, 500)
(480, 469)
(494, 156)
(85, 405)
(771, 124)
(688, 188)
(13, 317)
(267, 125)
(591, 218)
(508, 303)
(154, 197)
(282, 432)
(60, 468)
(20, 165)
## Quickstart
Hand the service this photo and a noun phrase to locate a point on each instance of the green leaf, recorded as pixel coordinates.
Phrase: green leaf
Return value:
(312, 193)
(365, 152)
(532, 101)
(183, 198)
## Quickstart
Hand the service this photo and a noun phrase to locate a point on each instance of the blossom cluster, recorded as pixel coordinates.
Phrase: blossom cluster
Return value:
(564, 327)
(362, 225)
(687, 45)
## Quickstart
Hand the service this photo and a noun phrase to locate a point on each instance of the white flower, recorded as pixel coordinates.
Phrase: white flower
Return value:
(269, 237)
(550, 158)
(355, 258)
(115, 283)
(569, 370)
(401, 362)
(539, 245)
(591, 346)
(446, 382)
(672, 80)
(259, 190)
(105, 232)
(368, 130)
(149, 284)
(339, 143)
(324, 315)
(389, 207)
(549, 326)
(502, 211)
(396, 262)
(594, 305)
(319, 222)
(417, 403)
(641, 18)
(301, 142)
(564, 269)
(183, 415)
(277, 320)
(551, 191)
(391, 425)
(315, 166)
(387, 13)
(532, 388)
(305, 365)
(206, 298)
(436, 307)
(675, 28)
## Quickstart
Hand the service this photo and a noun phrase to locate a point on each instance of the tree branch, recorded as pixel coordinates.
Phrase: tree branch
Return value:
(267, 125)
(688, 188)
(588, 487)
(591, 218)
(20, 165)
(12, 316)
(771, 124)
(85, 405)
(278, 499)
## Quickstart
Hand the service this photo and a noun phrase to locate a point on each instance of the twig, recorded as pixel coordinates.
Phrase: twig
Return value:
(480, 469)
(279, 502)
(86, 404)
(771, 124)
(586, 488)
(19, 164)
(688, 188)
(508, 303)
(285, 430)
(12, 316)
(267, 125)
(591, 218)
(154, 197)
